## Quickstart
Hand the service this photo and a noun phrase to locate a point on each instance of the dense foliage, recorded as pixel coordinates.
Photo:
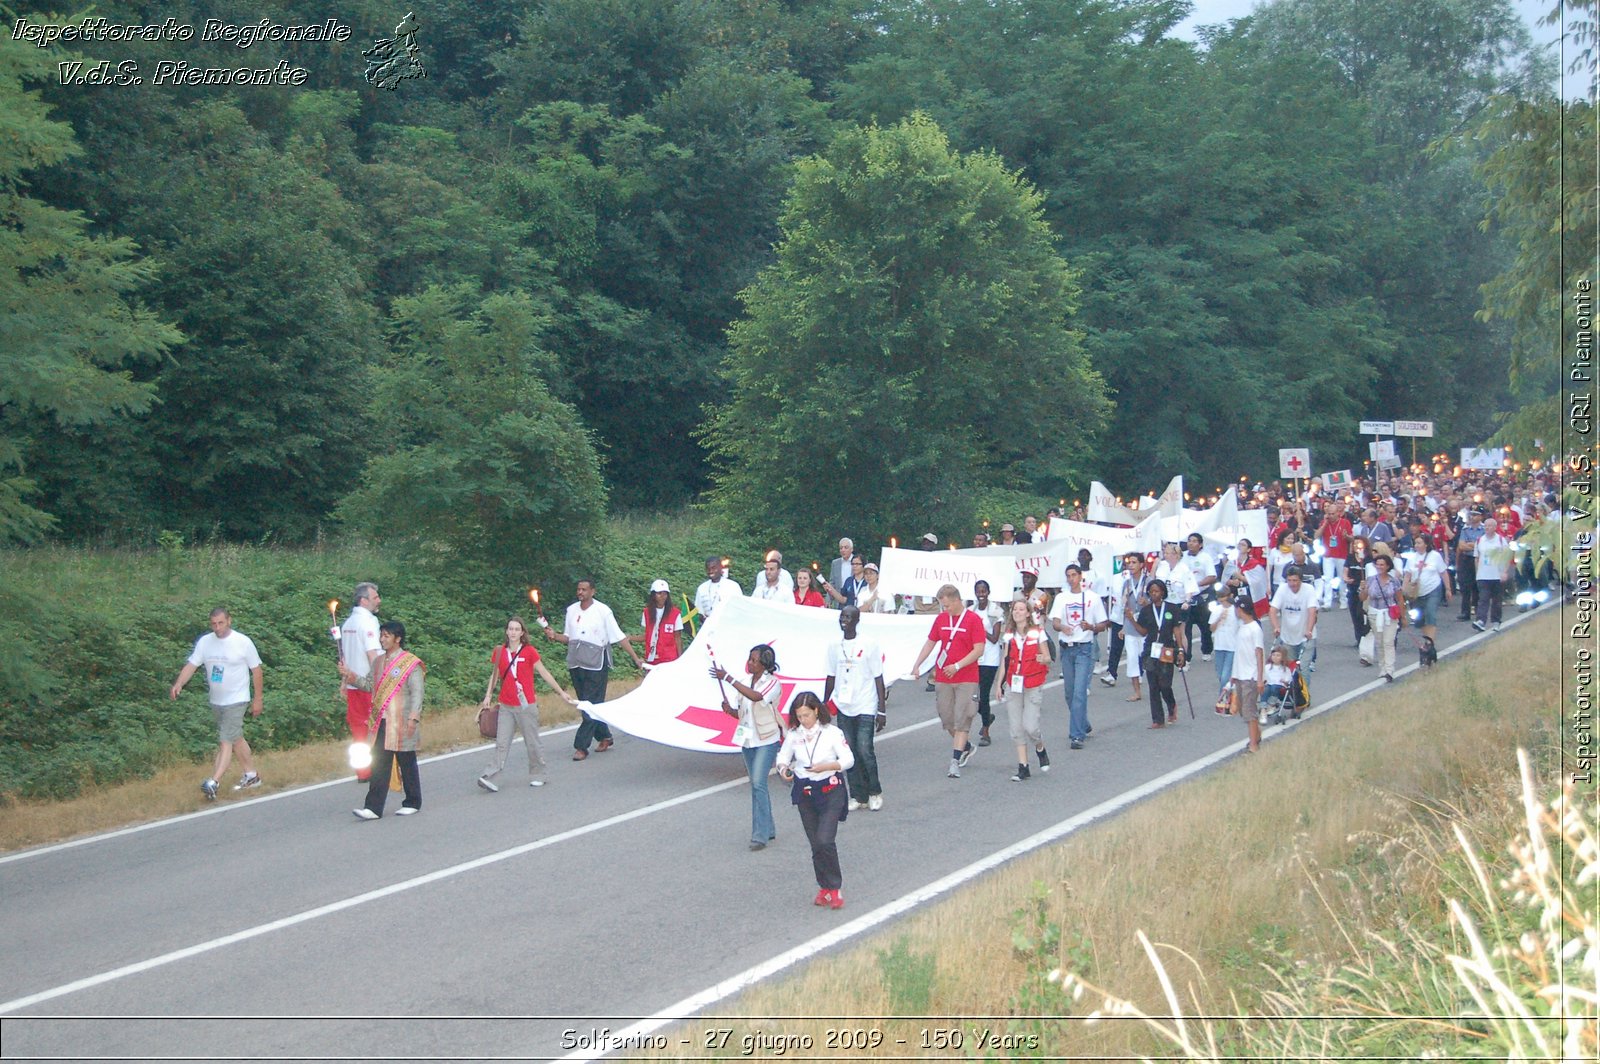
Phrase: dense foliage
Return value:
(909, 346)
(1272, 226)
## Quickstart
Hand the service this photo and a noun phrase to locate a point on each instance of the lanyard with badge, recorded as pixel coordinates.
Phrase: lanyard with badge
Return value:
(1021, 642)
(950, 636)
(1155, 631)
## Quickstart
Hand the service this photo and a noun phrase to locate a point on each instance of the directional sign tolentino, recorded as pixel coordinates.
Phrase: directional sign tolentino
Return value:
(1377, 428)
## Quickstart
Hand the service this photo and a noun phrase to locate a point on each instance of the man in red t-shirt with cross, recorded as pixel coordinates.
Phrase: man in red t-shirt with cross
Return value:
(958, 634)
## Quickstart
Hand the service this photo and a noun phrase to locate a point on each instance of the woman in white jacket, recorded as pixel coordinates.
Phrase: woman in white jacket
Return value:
(815, 757)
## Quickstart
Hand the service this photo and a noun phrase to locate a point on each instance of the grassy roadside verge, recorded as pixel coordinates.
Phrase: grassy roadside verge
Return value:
(173, 789)
(1307, 878)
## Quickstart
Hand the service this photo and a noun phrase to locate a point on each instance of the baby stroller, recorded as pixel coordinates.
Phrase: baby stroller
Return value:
(1287, 701)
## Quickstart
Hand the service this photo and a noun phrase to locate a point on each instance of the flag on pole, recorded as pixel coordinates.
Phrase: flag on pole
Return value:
(1294, 462)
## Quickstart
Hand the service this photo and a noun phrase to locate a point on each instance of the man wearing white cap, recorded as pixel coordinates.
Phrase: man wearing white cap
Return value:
(662, 623)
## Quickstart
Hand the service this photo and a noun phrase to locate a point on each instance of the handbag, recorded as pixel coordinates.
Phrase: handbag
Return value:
(489, 719)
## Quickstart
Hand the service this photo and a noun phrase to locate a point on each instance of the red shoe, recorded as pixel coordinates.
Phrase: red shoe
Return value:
(837, 901)
(821, 898)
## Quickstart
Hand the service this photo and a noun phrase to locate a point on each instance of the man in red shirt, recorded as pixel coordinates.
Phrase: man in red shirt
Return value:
(958, 634)
(1335, 537)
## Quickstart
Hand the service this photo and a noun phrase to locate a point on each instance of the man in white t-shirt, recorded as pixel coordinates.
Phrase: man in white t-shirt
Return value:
(1202, 575)
(774, 584)
(993, 615)
(1294, 613)
(589, 632)
(1494, 566)
(234, 680)
(358, 649)
(1077, 616)
(855, 686)
(717, 588)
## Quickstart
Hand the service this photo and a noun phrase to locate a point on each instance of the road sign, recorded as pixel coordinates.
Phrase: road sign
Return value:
(1378, 428)
(1413, 428)
(1381, 451)
(1294, 462)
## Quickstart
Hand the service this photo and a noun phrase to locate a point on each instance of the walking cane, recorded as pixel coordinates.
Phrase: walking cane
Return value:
(1184, 673)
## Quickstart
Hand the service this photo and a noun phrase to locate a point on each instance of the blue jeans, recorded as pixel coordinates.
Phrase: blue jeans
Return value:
(758, 761)
(1224, 663)
(860, 732)
(1077, 667)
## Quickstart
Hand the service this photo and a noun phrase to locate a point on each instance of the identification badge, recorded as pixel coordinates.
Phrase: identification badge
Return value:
(1016, 682)
(741, 735)
(216, 674)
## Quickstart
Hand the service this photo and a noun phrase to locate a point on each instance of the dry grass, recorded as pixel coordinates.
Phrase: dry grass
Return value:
(174, 790)
(1235, 866)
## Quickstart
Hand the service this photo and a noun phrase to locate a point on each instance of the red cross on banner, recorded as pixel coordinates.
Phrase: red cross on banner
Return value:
(1294, 462)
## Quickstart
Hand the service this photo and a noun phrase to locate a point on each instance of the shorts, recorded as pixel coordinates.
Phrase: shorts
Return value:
(1249, 699)
(1429, 605)
(230, 722)
(957, 710)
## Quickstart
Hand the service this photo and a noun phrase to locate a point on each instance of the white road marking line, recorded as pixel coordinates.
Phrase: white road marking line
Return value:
(248, 803)
(689, 1006)
(721, 990)
(393, 888)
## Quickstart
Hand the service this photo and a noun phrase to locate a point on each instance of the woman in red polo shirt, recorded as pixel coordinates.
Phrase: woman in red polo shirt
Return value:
(804, 593)
(515, 663)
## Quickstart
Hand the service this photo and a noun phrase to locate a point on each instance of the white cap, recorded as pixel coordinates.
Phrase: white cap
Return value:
(659, 585)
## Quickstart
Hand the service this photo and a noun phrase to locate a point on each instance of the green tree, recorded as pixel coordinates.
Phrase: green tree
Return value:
(477, 461)
(1543, 179)
(909, 348)
(70, 323)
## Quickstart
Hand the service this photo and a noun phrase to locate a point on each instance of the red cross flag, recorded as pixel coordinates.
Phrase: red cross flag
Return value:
(1294, 462)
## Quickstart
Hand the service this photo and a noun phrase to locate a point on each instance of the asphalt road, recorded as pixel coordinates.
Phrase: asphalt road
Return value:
(489, 925)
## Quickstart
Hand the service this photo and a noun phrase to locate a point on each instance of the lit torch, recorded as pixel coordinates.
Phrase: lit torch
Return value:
(533, 597)
(333, 629)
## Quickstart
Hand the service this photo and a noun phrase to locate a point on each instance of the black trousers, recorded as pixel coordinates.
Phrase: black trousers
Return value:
(590, 686)
(986, 675)
(1358, 615)
(821, 821)
(383, 766)
(1489, 596)
(1163, 703)
(1467, 584)
(1114, 645)
(1198, 613)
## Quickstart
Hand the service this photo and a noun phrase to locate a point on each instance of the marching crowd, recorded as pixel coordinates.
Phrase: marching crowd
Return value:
(1393, 551)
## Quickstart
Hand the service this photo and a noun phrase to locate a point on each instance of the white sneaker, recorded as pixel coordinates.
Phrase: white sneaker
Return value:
(875, 803)
(852, 805)
(249, 779)
(1205, 657)
(536, 783)
(364, 813)
(488, 784)
(405, 810)
(955, 769)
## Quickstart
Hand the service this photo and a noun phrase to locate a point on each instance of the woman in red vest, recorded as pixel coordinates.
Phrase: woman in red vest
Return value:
(1021, 684)
(662, 623)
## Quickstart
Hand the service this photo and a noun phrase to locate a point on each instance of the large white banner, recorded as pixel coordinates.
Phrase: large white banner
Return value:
(679, 704)
(924, 572)
(1103, 506)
